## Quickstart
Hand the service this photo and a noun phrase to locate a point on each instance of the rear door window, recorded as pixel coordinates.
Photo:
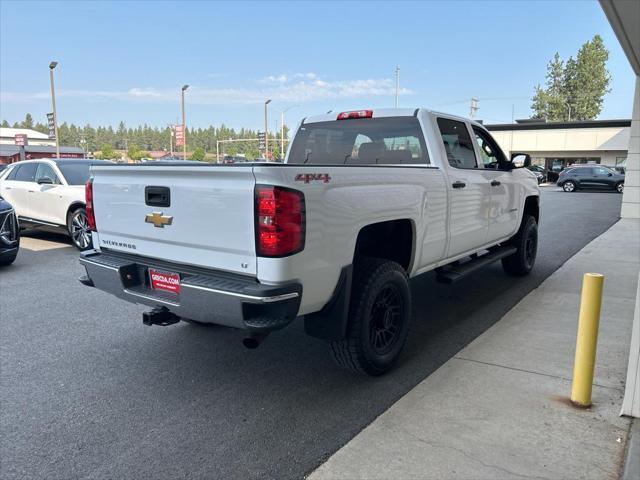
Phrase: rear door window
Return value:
(362, 141)
(26, 172)
(457, 143)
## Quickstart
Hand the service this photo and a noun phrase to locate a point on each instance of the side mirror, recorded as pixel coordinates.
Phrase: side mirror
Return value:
(45, 181)
(609, 174)
(520, 160)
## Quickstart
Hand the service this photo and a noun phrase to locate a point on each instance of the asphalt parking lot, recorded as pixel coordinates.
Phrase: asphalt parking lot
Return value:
(88, 391)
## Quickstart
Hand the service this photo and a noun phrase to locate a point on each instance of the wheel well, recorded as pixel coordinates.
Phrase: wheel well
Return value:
(392, 240)
(532, 207)
(72, 207)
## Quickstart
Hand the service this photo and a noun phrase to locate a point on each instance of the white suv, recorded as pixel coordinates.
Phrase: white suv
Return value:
(49, 194)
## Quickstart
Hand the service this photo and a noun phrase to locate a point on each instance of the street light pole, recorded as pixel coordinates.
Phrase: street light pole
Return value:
(53, 65)
(266, 130)
(184, 126)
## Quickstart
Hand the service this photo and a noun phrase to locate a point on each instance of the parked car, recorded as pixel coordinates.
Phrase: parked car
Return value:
(9, 233)
(2, 167)
(539, 172)
(49, 194)
(365, 200)
(590, 176)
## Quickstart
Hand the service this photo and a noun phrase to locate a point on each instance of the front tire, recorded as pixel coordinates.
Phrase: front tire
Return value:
(78, 229)
(379, 315)
(620, 187)
(526, 242)
(569, 186)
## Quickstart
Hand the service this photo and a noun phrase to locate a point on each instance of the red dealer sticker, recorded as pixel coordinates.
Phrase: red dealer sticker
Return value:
(169, 282)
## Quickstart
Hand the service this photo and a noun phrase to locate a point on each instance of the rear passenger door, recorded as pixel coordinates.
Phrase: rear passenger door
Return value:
(469, 191)
(17, 187)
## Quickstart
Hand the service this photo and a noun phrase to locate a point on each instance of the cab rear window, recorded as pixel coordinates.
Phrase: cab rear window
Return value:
(366, 141)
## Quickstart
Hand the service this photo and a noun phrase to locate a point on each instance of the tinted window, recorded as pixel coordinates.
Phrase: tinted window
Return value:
(6, 173)
(26, 172)
(457, 143)
(77, 173)
(490, 153)
(45, 170)
(583, 172)
(392, 140)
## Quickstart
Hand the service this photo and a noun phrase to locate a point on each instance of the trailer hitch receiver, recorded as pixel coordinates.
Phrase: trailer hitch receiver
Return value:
(159, 316)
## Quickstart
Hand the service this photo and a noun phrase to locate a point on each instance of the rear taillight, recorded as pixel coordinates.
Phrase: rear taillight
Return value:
(355, 114)
(88, 199)
(280, 221)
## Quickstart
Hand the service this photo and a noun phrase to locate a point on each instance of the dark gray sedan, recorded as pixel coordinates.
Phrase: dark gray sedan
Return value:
(591, 176)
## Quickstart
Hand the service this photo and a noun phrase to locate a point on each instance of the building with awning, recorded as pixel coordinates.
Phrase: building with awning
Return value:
(555, 145)
(11, 153)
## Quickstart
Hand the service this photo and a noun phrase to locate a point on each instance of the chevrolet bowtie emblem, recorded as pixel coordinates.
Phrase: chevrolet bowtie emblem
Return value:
(158, 219)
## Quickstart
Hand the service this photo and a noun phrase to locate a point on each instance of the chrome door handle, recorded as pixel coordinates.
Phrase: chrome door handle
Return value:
(458, 184)
(495, 183)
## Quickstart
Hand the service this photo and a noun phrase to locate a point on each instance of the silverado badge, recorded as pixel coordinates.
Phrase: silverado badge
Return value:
(158, 219)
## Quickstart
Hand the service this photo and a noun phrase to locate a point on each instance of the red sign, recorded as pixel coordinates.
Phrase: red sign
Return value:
(169, 282)
(21, 140)
(179, 129)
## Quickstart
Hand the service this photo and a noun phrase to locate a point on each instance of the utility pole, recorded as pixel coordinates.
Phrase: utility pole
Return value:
(52, 65)
(266, 130)
(282, 129)
(473, 107)
(184, 126)
(397, 84)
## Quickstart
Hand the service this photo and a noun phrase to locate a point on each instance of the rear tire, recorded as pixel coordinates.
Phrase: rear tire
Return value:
(78, 229)
(379, 315)
(526, 242)
(569, 186)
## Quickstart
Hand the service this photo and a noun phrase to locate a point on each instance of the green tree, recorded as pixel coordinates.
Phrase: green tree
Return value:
(27, 122)
(135, 153)
(198, 154)
(5, 124)
(574, 90)
(107, 152)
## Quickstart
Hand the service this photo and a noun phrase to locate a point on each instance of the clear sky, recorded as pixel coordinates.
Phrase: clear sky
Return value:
(122, 60)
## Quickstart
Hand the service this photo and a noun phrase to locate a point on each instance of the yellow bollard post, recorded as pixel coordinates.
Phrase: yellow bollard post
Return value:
(587, 340)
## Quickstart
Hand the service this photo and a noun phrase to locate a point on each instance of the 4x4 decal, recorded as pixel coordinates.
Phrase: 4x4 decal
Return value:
(309, 177)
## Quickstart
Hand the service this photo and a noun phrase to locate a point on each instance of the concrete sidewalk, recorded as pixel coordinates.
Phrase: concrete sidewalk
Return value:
(499, 408)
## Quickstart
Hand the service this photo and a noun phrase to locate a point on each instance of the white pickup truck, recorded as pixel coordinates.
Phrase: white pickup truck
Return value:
(364, 201)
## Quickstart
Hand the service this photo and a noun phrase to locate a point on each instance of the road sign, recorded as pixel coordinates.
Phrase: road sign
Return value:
(179, 134)
(262, 144)
(52, 126)
(21, 140)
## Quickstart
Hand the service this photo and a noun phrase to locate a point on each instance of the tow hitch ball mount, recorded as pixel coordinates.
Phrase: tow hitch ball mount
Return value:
(159, 316)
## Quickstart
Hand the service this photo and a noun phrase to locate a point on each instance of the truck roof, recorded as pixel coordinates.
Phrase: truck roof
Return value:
(384, 112)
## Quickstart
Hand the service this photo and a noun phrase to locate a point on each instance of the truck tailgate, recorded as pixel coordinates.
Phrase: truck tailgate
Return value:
(209, 220)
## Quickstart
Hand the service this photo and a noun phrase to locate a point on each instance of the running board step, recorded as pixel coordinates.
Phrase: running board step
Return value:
(453, 273)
